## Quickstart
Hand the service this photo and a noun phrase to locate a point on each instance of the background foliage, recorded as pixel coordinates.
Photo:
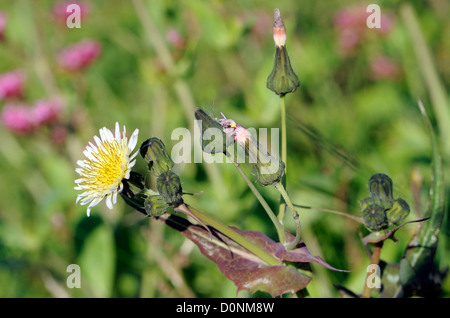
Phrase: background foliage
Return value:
(347, 121)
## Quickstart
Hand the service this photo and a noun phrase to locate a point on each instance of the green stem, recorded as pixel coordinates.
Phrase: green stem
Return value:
(238, 238)
(283, 131)
(354, 218)
(279, 186)
(282, 207)
(278, 226)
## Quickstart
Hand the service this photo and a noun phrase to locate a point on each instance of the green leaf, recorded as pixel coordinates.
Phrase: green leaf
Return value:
(97, 262)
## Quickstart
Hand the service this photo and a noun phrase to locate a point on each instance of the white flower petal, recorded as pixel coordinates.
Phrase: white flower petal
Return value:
(109, 202)
(133, 140)
(117, 135)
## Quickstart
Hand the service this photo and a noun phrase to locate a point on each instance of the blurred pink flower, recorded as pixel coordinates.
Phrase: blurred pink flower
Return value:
(11, 84)
(59, 134)
(80, 55)
(349, 40)
(384, 68)
(18, 118)
(2, 25)
(386, 23)
(175, 39)
(351, 26)
(60, 13)
(46, 111)
(353, 17)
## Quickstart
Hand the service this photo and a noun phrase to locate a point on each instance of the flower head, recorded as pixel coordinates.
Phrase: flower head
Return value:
(61, 10)
(46, 111)
(80, 55)
(11, 84)
(385, 68)
(18, 118)
(108, 163)
(351, 26)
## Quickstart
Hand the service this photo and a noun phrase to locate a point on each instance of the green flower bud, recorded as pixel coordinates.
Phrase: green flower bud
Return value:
(374, 217)
(380, 187)
(169, 187)
(398, 212)
(211, 130)
(365, 203)
(154, 152)
(282, 79)
(269, 173)
(155, 205)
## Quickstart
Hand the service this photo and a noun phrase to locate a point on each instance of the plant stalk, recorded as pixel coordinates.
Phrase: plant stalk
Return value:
(298, 235)
(282, 206)
(352, 217)
(278, 226)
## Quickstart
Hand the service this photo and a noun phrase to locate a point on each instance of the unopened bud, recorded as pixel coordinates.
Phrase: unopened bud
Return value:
(155, 153)
(398, 212)
(213, 139)
(380, 187)
(269, 173)
(282, 80)
(364, 203)
(374, 217)
(155, 205)
(168, 185)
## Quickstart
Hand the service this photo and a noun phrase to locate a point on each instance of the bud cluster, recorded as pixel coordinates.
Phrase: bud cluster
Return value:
(168, 183)
(380, 209)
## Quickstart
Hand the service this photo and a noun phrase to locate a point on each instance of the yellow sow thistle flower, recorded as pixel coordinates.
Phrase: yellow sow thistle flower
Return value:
(109, 161)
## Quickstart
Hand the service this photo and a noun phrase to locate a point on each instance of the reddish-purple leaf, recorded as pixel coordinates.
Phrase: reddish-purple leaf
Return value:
(246, 270)
(300, 254)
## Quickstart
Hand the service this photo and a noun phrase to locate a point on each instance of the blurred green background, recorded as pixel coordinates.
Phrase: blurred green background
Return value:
(349, 118)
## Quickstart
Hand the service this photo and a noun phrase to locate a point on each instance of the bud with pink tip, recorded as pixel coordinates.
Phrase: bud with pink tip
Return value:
(282, 80)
